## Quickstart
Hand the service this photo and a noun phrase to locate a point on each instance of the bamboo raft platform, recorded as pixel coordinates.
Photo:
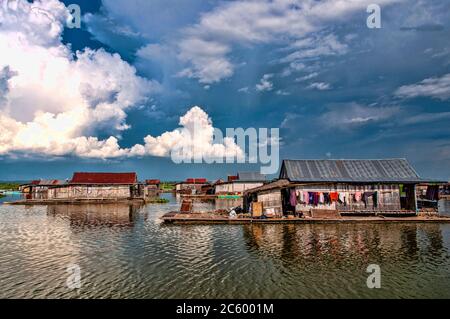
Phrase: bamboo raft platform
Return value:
(33, 202)
(212, 218)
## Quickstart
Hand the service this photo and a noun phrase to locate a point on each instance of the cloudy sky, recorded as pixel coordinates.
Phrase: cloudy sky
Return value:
(110, 95)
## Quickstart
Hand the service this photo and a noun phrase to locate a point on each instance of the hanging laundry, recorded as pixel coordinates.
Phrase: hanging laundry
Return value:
(306, 198)
(357, 196)
(334, 196)
(342, 198)
(375, 200)
(316, 198)
(293, 198)
(321, 198)
(311, 198)
(327, 199)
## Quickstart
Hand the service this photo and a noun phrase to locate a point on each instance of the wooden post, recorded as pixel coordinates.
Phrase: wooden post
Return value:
(415, 200)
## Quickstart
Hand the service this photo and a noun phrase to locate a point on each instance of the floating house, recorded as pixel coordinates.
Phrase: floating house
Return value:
(191, 186)
(38, 189)
(240, 183)
(100, 186)
(152, 187)
(87, 186)
(333, 188)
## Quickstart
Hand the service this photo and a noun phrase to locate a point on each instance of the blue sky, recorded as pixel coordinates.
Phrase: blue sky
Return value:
(334, 87)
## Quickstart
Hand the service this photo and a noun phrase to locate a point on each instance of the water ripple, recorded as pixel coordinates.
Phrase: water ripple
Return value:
(125, 252)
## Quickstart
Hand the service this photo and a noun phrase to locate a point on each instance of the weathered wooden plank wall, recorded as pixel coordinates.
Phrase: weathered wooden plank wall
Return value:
(90, 192)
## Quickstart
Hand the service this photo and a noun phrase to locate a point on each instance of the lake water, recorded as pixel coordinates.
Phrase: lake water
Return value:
(125, 252)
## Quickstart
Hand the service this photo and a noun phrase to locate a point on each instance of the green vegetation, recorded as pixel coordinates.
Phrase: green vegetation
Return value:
(167, 186)
(9, 186)
(157, 200)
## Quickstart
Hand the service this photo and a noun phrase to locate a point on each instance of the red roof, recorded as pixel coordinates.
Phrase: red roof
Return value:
(232, 178)
(152, 182)
(104, 178)
(196, 180)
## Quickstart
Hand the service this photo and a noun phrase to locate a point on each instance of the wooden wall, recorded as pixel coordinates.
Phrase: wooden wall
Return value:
(90, 192)
(236, 187)
(271, 201)
(197, 188)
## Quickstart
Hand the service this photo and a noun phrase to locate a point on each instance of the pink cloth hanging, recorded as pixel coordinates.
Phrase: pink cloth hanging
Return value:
(321, 198)
(306, 197)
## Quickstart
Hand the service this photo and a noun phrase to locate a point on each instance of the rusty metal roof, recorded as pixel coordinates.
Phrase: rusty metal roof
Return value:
(381, 170)
(104, 178)
(48, 182)
(281, 183)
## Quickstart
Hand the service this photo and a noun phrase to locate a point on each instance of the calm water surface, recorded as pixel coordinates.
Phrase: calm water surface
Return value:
(125, 252)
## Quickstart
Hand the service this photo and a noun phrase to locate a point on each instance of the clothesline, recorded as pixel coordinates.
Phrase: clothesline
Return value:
(327, 198)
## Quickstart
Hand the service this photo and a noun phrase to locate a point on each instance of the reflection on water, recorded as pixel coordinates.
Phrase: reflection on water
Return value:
(96, 215)
(320, 241)
(125, 252)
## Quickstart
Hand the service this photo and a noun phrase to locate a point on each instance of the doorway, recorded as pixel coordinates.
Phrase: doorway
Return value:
(287, 208)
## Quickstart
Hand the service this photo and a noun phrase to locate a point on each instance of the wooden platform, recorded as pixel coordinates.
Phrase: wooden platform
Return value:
(384, 213)
(31, 202)
(205, 218)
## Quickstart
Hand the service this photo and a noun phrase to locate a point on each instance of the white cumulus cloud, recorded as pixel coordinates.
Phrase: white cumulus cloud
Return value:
(321, 86)
(265, 84)
(195, 137)
(436, 87)
(53, 101)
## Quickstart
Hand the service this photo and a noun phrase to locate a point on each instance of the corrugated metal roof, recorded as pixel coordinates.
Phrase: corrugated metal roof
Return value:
(381, 170)
(251, 177)
(104, 178)
(48, 182)
(273, 185)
